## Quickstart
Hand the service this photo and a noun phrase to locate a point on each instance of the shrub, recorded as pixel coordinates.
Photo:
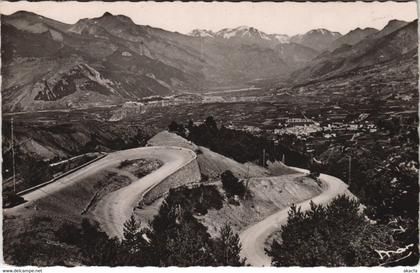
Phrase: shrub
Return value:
(124, 163)
(11, 199)
(232, 185)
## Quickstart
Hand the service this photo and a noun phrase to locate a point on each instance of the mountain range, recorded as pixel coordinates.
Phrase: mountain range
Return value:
(394, 41)
(107, 60)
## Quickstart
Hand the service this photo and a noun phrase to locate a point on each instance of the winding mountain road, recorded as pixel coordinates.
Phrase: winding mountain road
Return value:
(117, 207)
(254, 237)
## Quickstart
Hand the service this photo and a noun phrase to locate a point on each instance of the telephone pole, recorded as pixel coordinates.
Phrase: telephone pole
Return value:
(263, 163)
(13, 156)
(349, 170)
(247, 180)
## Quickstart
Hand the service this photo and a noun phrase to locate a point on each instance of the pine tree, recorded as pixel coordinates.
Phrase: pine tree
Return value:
(131, 235)
(189, 247)
(138, 251)
(228, 248)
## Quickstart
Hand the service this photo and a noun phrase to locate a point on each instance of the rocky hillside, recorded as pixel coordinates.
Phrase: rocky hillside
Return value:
(47, 64)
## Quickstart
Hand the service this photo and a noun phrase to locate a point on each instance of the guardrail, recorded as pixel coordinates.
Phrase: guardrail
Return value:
(60, 176)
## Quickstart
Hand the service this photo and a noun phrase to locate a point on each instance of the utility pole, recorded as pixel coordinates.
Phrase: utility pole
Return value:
(349, 170)
(247, 180)
(141, 48)
(13, 157)
(263, 163)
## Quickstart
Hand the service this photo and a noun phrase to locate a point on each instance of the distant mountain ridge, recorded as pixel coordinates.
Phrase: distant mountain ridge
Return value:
(317, 39)
(352, 37)
(394, 41)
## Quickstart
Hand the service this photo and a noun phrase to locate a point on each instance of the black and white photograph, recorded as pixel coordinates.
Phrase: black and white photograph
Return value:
(209, 134)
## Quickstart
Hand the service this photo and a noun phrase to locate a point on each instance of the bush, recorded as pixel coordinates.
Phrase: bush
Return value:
(11, 199)
(124, 164)
(232, 185)
(314, 175)
(36, 172)
(199, 199)
(179, 129)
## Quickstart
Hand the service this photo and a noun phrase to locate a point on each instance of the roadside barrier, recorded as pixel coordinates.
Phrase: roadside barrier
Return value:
(60, 176)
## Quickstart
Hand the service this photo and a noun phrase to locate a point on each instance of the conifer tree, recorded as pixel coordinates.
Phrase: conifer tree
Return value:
(228, 248)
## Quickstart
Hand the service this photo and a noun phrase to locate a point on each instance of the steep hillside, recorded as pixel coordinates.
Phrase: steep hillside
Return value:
(374, 49)
(121, 69)
(63, 69)
(392, 26)
(352, 38)
(295, 55)
(34, 23)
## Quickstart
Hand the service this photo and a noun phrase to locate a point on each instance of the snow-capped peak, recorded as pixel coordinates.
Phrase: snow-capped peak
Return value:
(323, 31)
(281, 38)
(202, 33)
(251, 33)
(242, 32)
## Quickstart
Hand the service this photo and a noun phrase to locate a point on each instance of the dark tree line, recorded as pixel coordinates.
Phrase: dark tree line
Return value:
(335, 235)
(238, 145)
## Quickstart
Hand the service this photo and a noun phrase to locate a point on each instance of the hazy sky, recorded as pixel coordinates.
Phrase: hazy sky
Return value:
(270, 17)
